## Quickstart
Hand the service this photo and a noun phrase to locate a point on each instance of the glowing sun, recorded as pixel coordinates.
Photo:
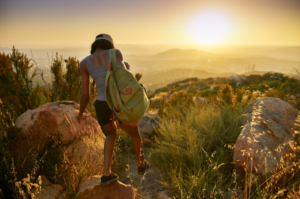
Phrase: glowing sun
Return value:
(209, 27)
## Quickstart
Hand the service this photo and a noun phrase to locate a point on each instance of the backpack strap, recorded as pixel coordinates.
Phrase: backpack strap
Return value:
(113, 97)
(112, 56)
(107, 95)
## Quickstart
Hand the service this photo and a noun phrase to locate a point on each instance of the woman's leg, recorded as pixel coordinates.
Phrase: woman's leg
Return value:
(109, 147)
(137, 143)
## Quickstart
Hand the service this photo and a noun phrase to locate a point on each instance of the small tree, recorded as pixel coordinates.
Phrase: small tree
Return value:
(239, 96)
(16, 85)
(65, 85)
(226, 94)
(72, 79)
(58, 83)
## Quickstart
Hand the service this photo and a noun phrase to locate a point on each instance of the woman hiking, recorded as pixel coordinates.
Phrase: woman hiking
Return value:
(96, 66)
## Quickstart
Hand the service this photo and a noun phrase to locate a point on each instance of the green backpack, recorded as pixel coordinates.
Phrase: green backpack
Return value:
(126, 97)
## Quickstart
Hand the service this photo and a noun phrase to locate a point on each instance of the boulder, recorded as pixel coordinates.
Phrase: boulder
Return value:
(54, 127)
(278, 110)
(150, 126)
(235, 78)
(243, 78)
(246, 118)
(86, 153)
(91, 189)
(269, 128)
(58, 120)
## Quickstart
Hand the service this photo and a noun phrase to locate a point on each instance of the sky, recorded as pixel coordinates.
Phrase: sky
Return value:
(75, 23)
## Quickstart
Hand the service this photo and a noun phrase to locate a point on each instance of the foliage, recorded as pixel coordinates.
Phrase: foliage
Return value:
(65, 85)
(17, 95)
(72, 80)
(16, 84)
(284, 178)
(58, 83)
(226, 94)
(239, 95)
(191, 147)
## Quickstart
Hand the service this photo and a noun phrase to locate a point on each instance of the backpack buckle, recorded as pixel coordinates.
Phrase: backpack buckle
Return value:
(109, 64)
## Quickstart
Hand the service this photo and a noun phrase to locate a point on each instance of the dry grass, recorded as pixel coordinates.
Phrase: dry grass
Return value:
(285, 178)
(190, 150)
(61, 164)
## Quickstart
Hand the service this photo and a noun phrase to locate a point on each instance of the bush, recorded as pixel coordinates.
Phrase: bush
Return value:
(207, 93)
(66, 85)
(226, 94)
(16, 84)
(73, 80)
(58, 83)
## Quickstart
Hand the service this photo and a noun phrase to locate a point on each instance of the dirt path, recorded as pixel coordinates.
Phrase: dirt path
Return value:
(148, 185)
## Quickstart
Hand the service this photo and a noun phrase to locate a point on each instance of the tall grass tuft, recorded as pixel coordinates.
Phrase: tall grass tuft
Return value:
(191, 149)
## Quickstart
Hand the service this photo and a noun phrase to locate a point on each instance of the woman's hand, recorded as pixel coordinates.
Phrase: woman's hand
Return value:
(127, 66)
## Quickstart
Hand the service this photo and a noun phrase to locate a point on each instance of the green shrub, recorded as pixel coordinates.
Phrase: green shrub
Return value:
(226, 94)
(73, 79)
(58, 83)
(66, 85)
(16, 84)
(207, 93)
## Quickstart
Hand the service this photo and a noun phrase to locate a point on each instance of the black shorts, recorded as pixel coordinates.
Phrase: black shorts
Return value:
(103, 112)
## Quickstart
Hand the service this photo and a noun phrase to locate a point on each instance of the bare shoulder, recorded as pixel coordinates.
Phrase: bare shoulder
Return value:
(119, 55)
(83, 65)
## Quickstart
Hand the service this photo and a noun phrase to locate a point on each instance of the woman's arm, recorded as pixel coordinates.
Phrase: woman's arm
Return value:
(85, 96)
(119, 57)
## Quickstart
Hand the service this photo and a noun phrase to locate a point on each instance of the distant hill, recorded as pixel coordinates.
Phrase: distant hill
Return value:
(287, 52)
(153, 80)
(182, 54)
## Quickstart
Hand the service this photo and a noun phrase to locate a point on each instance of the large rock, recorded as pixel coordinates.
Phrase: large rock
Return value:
(235, 78)
(278, 110)
(54, 127)
(91, 189)
(149, 126)
(86, 153)
(58, 120)
(269, 128)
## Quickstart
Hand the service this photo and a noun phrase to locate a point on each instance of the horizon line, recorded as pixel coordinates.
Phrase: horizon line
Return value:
(159, 44)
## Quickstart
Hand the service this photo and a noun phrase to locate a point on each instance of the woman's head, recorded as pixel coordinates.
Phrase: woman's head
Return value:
(102, 41)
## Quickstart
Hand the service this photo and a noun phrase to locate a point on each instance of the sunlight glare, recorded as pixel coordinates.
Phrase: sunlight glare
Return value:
(209, 27)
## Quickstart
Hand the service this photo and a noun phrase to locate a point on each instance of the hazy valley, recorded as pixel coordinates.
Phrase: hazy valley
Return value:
(162, 64)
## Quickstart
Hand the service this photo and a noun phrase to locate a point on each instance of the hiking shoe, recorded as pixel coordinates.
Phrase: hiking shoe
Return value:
(106, 180)
(142, 170)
